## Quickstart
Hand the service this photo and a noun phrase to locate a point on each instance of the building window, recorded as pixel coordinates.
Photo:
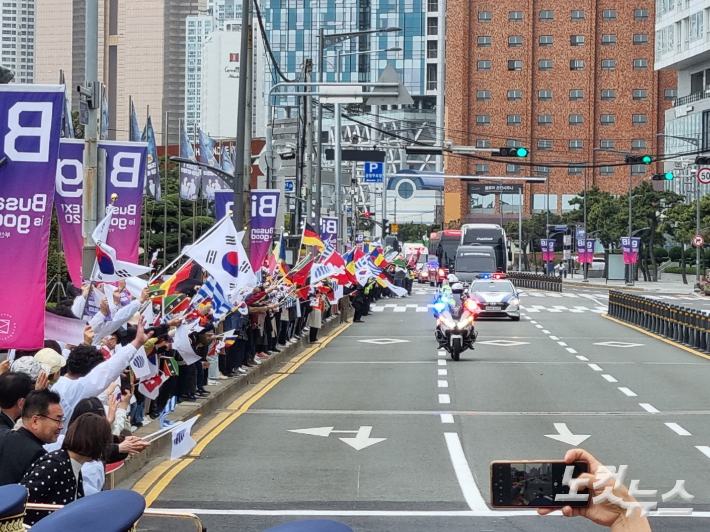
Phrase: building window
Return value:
(485, 16)
(608, 64)
(544, 95)
(510, 203)
(638, 144)
(432, 74)
(483, 120)
(576, 120)
(670, 94)
(640, 14)
(608, 120)
(483, 143)
(576, 95)
(513, 143)
(547, 15)
(515, 65)
(432, 49)
(512, 169)
(640, 94)
(515, 95)
(607, 170)
(546, 40)
(432, 26)
(541, 203)
(544, 170)
(576, 145)
(640, 38)
(479, 203)
(609, 14)
(544, 144)
(577, 14)
(567, 206)
(545, 64)
(608, 95)
(483, 96)
(484, 41)
(609, 39)
(638, 169)
(514, 120)
(432, 5)
(607, 144)
(544, 120)
(638, 120)
(484, 65)
(576, 64)
(515, 16)
(515, 41)
(576, 40)
(640, 64)
(574, 169)
(482, 169)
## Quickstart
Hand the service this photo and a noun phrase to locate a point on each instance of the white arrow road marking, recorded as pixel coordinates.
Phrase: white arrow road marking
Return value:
(319, 431)
(362, 439)
(565, 435)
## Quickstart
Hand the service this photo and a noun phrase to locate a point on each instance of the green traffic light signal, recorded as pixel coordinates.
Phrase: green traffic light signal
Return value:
(522, 152)
(668, 175)
(647, 159)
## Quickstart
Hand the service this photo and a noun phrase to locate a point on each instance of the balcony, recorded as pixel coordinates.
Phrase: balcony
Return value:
(693, 97)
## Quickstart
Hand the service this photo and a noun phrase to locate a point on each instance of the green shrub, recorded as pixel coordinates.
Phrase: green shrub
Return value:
(660, 253)
(675, 252)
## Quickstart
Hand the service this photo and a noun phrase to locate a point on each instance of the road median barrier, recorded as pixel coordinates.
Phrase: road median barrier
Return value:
(685, 327)
(535, 281)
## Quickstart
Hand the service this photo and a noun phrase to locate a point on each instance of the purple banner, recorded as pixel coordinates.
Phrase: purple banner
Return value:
(68, 193)
(581, 251)
(328, 228)
(630, 248)
(548, 249)
(30, 127)
(125, 172)
(223, 203)
(264, 208)
(590, 250)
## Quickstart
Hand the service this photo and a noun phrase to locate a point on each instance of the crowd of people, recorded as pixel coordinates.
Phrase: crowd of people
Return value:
(68, 411)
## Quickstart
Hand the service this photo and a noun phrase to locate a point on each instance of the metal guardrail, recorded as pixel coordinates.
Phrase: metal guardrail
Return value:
(681, 325)
(535, 281)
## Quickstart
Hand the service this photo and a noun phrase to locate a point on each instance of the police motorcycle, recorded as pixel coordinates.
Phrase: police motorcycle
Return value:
(454, 314)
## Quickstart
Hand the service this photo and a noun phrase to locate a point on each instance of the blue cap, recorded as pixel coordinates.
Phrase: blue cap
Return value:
(310, 525)
(12, 506)
(96, 513)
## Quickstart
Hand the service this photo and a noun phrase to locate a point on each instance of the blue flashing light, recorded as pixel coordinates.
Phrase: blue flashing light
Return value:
(440, 306)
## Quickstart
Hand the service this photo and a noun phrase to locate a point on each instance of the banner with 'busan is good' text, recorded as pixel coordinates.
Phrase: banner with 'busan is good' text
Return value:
(264, 208)
(30, 128)
(68, 197)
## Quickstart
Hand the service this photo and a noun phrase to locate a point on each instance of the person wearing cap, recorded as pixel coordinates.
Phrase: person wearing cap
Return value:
(13, 499)
(14, 387)
(42, 421)
(51, 359)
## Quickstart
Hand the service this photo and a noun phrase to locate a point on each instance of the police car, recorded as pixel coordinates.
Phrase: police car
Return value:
(495, 297)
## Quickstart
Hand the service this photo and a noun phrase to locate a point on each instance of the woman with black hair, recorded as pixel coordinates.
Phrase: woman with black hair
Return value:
(56, 477)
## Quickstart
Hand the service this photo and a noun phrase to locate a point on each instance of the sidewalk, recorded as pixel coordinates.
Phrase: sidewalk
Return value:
(670, 287)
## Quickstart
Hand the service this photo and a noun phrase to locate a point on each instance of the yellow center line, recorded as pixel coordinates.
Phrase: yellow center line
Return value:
(161, 475)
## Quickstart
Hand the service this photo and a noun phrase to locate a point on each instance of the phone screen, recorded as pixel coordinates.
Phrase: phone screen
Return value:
(534, 484)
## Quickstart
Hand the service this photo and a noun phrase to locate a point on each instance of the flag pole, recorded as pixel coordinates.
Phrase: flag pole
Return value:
(166, 158)
(194, 210)
(179, 192)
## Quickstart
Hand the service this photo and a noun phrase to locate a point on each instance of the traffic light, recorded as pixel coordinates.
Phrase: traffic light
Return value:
(639, 159)
(702, 160)
(366, 214)
(511, 152)
(668, 176)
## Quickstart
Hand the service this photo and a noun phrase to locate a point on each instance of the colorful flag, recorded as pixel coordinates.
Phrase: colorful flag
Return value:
(169, 409)
(275, 256)
(311, 238)
(151, 387)
(182, 440)
(190, 174)
(111, 269)
(300, 272)
(211, 182)
(226, 161)
(175, 303)
(219, 254)
(213, 291)
(181, 344)
(134, 133)
(152, 174)
(140, 365)
(170, 286)
(321, 271)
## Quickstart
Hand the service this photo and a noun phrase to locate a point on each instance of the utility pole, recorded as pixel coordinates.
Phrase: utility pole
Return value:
(440, 80)
(242, 119)
(246, 184)
(309, 146)
(92, 201)
(319, 155)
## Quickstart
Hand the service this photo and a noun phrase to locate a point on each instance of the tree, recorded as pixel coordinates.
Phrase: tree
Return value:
(680, 225)
(411, 232)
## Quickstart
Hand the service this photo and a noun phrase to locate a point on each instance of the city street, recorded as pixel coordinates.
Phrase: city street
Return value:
(381, 431)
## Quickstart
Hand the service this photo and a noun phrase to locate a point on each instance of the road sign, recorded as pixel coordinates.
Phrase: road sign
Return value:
(84, 113)
(360, 237)
(288, 186)
(704, 175)
(698, 241)
(374, 172)
(394, 228)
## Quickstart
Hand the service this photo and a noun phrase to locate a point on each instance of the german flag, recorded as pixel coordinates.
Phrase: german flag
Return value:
(311, 238)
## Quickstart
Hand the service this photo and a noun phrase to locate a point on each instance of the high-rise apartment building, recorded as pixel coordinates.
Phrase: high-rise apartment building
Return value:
(683, 45)
(17, 47)
(562, 79)
(141, 55)
(198, 29)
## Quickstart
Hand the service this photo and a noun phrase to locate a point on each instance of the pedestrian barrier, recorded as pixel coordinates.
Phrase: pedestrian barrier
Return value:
(535, 281)
(681, 325)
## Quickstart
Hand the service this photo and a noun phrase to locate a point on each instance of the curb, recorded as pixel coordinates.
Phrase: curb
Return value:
(615, 287)
(220, 397)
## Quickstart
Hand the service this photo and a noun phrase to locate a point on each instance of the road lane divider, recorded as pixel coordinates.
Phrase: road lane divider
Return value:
(447, 418)
(444, 399)
(649, 408)
(595, 367)
(154, 482)
(609, 378)
(680, 431)
(470, 490)
(627, 392)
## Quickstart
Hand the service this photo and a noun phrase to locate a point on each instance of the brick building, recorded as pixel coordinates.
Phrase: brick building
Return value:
(560, 78)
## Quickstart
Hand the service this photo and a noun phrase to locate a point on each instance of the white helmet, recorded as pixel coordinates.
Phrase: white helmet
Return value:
(457, 287)
(452, 278)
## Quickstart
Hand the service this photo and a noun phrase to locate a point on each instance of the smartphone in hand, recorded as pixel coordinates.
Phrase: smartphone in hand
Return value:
(537, 484)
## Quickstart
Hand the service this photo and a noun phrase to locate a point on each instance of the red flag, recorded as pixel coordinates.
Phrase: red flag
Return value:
(151, 387)
(300, 276)
(338, 262)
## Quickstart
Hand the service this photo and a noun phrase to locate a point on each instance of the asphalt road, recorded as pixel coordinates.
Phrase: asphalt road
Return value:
(397, 437)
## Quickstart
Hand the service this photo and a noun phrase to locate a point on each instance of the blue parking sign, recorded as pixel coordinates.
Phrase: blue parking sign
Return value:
(288, 186)
(374, 172)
